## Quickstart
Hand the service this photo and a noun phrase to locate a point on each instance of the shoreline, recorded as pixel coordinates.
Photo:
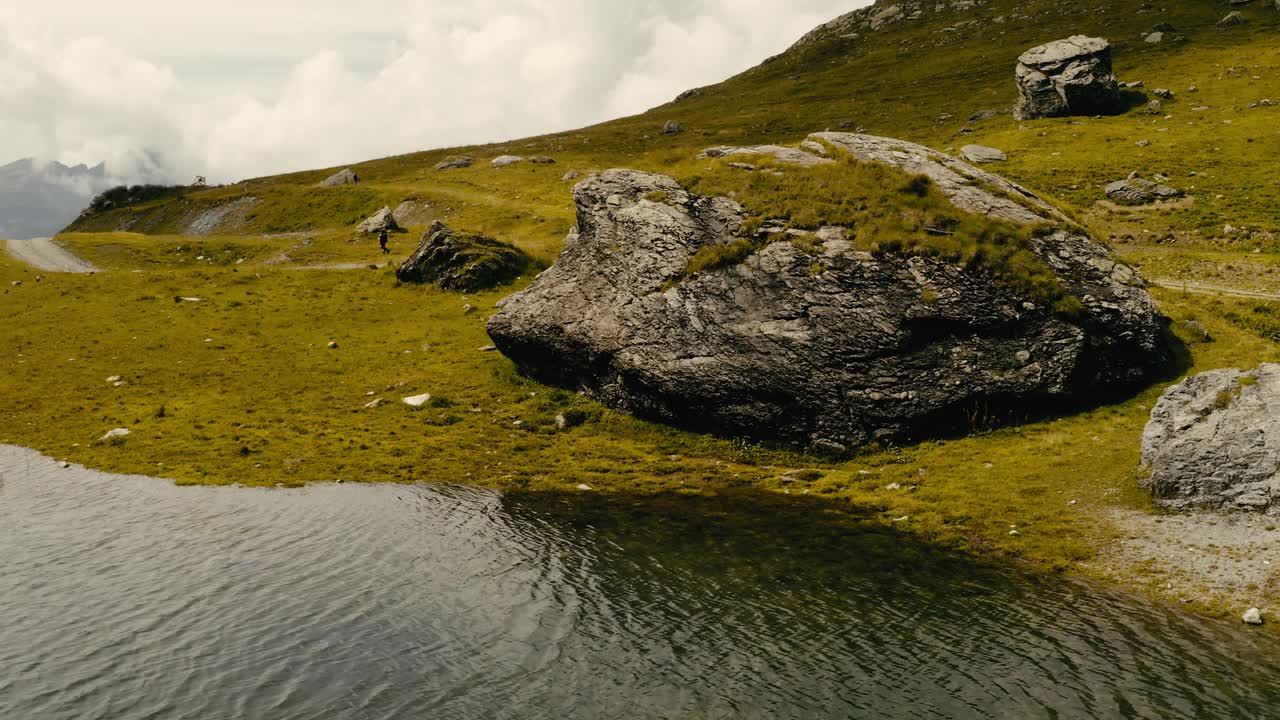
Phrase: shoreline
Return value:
(1208, 576)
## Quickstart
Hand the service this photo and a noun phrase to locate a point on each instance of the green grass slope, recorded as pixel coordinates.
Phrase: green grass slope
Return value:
(239, 385)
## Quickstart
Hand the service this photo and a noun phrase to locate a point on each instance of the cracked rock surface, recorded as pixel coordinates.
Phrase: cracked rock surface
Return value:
(1214, 441)
(1067, 77)
(871, 347)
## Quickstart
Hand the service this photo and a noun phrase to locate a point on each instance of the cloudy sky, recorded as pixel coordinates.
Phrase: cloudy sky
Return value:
(239, 88)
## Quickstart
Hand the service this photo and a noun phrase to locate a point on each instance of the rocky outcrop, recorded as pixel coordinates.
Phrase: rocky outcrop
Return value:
(455, 163)
(827, 348)
(384, 219)
(795, 156)
(1214, 442)
(505, 160)
(465, 262)
(982, 154)
(1136, 190)
(1067, 77)
(342, 177)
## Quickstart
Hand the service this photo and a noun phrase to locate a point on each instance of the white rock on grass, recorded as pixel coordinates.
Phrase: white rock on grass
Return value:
(982, 154)
(418, 400)
(505, 160)
(1253, 616)
(117, 433)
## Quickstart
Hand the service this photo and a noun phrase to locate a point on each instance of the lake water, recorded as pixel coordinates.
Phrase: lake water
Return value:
(130, 598)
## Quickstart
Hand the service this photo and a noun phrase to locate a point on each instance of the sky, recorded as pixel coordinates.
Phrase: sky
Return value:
(243, 88)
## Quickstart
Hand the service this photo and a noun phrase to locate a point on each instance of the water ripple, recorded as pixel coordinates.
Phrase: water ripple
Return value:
(129, 598)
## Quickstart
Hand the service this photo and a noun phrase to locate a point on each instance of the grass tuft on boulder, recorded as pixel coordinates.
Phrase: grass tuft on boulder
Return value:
(465, 262)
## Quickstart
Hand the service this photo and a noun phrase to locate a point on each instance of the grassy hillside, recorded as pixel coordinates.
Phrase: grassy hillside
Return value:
(238, 384)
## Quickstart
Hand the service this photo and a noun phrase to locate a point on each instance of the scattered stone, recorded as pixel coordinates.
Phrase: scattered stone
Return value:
(1143, 143)
(417, 400)
(672, 128)
(616, 316)
(411, 212)
(1213, 441)
(1165, 93)
(1155, 107)
(332, 345)
(1067, 77)
(1252, 616)
(455, 163)
(1134, 190)
(542, 160)
(489, 348)
(893, 487)
(1198, 331)
(16, 283)
(1233, 19)
(115, 434)
(584, 487)
(113, 379)
(981, 154)
(64, 464)
(384, 219)
(468, 308)
(374, 404)
(466, 262)
(505, 160)
(342, 177)
(571, 176)
(1154, 38)
(983, 115)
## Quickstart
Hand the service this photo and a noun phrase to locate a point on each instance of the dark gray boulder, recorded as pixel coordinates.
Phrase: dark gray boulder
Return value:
(1067, 77)
(1213, 442)
(466, 262)
(871, 347)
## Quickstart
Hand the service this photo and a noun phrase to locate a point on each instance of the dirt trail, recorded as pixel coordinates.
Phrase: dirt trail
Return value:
(1206, 289)
(44, 254)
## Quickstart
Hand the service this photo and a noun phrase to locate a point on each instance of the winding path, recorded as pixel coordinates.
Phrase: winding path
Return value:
(44, 254)
(1204, 289)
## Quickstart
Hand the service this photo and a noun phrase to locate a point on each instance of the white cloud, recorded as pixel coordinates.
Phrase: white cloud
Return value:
(240, 88)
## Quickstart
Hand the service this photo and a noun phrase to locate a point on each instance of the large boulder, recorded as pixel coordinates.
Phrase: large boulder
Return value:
(384, 219)
(1067, 77)
(460, 261)
(1214, 441)
(829, 348)
(342, 177)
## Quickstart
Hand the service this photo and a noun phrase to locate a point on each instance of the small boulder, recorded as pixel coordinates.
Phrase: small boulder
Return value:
(1135, 190)
(412, 212)
(505, 160)
(1067, 77)
(1154, 38)
(342, 177)
(1252, 616)
(1164, 93)
(384, 219)
(455, 163)
(1213, 442)
(571, 176)
(1233, 19)
(542, 160)
(117, 434)
(417, 400)
(672, 128)
(982, 154)
(466, 262)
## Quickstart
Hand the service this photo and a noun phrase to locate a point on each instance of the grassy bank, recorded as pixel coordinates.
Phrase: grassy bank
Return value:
(242, 387)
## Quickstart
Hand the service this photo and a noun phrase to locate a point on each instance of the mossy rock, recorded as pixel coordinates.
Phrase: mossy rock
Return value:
(466, 262)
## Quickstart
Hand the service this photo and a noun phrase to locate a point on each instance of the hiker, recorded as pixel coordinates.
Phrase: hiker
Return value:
(382, 242)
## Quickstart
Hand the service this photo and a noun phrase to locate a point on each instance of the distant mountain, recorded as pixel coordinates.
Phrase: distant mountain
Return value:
(38, 199)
